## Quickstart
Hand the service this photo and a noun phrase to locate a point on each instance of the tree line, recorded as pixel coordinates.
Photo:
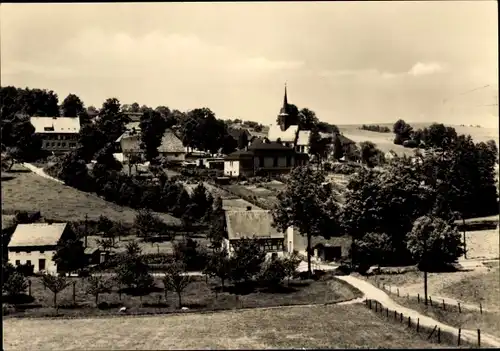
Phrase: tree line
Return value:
(375, 128)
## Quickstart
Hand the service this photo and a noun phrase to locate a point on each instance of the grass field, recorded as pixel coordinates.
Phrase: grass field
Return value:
(23, 190)
(384, 141)
(483, 244)
(198, 296)
(351, 326)
(237, 205)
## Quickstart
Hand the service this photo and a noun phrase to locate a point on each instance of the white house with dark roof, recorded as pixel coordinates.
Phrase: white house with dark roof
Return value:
(59, 134)
(35, 244)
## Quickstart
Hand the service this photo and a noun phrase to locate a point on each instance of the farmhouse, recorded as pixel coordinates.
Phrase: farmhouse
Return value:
(35, 244)
(58, 134)
(255, 225)
(171, 146)
(262, 157)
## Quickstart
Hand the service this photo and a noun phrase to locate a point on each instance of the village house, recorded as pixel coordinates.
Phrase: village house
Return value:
(58, 134)
(35, 244)
(262, 157)
(171, 146)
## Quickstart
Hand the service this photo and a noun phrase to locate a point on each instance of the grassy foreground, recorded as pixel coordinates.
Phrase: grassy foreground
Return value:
(351, 326)
(23, 190)
(198, 296)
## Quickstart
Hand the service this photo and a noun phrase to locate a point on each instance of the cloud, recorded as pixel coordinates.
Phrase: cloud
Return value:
(363, 73)
(420, 69)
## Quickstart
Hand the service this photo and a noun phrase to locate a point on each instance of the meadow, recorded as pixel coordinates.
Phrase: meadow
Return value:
(351, 326)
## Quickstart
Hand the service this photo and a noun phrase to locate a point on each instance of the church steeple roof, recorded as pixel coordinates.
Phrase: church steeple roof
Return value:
(284, 109)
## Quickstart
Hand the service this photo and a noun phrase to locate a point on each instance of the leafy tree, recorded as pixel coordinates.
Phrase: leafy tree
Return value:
(433, 242)
(16, 284)
(55, 284)
(242, 140)
(176, 279)
(72, 106)
(69, 255)
(315, 144)
(7, 270)
(370, 155)
(291, 264)
(307, 205)
(153, 126)
(190, 253)
(147, 225)
(324, 127)
(182, 202)
(90, 140)
(111, 121)
(217, 229)
(200, 200)
(132, 271)
(73, 172)
(38, 102)
(218, 265)
(402, 130)
(373, 248)
(437, 135)
(338, 148)
(104, 224)
(22, 144)
(97, 285)
(307, 119)
(273, 273)
(246, 261)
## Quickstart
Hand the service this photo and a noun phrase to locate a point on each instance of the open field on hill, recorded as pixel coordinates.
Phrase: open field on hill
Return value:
(237, 205)
(24, 190)
(198, 296)
(483, 244)
(384, 141)
(351, 326)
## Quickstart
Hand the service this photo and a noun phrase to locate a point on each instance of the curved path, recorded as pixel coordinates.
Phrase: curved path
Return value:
(40, 172)
(374, 293)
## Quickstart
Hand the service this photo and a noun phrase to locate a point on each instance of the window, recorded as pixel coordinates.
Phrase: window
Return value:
(41, 264)
(28, 262)
(28, 252)
(58, 144)
(261, 161)
(63, 144)
(42, 251)
(18, 262)
(53, 144)
(275, 162)
(48, 129)
(17, 251)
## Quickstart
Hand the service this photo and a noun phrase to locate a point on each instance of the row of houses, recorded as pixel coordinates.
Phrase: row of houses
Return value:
(36, 243)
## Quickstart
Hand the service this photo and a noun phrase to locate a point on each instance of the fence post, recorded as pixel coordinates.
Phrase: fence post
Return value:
(479, 338)
(418, 324)
(459, 334)
(409, 322)
(74, 292)
(401, 317)
(480, 308)
(459, 309)
(398, 291)
(439, 335)
(387, 312)
(29, 287)
(432, 332)
(370, 304)
(444, 306)
(376, 304)
(408, 296)
(395, 314)
(430, 300)
(418, 298)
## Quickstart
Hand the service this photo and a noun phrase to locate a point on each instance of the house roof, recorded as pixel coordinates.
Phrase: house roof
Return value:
(238, 155)
(345, 140)
(133, 125)
(287, 136)
(58, 124)
(259, 144)
(8, 221)
(236, 132)
(171, 143)
(250, 224)
(130, 143)
(37, 234)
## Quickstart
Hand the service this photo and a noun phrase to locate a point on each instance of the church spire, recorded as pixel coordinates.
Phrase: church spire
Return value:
(285, 100)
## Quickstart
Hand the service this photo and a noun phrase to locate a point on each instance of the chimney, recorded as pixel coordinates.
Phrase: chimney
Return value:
(249, 208)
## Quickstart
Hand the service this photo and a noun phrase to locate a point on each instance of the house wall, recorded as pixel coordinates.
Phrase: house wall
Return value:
(34, 256)
(232, 168)
(174, 156)
(59, 142)
(226, 244)
(269, 161)
(295, 241)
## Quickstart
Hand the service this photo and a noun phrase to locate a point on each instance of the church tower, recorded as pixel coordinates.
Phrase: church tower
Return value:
(284, 117)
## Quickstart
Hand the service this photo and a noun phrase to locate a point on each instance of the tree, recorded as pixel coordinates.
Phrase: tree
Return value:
(73, 172)
(55, 284)
(15, 284)
(433, 242)
(153, 126)
(315, 144)
(338, 148)
(307, 119)
(104, 225)
(370, 155)
(307, 205)
(373, 248)
(218, 265)
(97, 285)
(273, 273)
(402, 130)
(217, 228)
(132, 271)
(246, 261)
(72, 106)
(147, 225)
(242, 140)
(190, 254)
(200, 201)
(176, 279)
(22, 144)
(69, 255)
(437, 135)
(111, 121)
(90, 139)
(291, 264)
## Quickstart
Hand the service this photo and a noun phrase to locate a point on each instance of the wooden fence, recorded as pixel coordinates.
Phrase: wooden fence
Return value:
(432, 334)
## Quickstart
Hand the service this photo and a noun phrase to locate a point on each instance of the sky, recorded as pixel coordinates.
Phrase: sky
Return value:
(350, 62)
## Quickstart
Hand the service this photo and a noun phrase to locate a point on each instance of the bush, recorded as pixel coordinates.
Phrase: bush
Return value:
(273, 273)
(410, 144)
(7, 309)
(345, 168)
(25, 269)
(190, 253)
(327, 166)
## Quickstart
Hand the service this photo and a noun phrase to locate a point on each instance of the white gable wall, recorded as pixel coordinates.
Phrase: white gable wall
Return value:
(231, 168)
(34, 256)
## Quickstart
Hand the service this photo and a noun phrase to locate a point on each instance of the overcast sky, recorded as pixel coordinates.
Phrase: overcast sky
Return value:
(350, 62)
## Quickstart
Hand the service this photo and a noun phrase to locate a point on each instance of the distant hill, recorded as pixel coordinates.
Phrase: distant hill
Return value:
(384, 141)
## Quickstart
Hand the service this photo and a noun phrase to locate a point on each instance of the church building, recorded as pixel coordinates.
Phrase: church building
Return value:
(287, 130)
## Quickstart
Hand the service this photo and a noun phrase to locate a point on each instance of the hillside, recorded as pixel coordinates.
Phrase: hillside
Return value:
(384, 141)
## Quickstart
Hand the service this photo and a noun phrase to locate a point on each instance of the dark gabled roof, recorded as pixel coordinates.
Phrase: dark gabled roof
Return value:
(345, 140)
(237, 132)
(259, 144)
(251, 224)
(238, 155)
